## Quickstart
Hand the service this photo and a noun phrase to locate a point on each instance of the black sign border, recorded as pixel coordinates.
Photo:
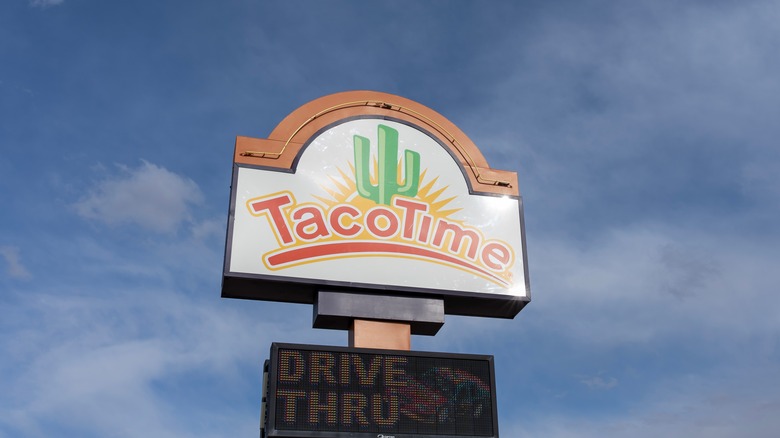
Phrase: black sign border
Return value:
(304, 290)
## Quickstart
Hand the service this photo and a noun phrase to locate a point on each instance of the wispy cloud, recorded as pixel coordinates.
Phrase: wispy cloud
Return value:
(128, 357)
(599, 383)
(149, 196)
(738, 405)
(14, 267)
(656, 284)
(638, 109)
(685, 271)
(45, 3)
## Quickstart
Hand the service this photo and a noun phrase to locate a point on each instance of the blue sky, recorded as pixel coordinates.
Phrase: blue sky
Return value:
(645, 136)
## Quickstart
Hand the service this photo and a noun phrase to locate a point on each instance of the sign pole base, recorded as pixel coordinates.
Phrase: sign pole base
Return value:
(380, 334)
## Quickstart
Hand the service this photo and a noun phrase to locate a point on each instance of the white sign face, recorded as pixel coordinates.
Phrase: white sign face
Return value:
(376, 203)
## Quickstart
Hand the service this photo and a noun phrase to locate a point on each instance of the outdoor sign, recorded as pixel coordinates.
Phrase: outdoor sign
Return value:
(356, 192)
(363, 393)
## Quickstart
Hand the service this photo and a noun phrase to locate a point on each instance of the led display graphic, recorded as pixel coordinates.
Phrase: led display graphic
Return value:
(339, 392)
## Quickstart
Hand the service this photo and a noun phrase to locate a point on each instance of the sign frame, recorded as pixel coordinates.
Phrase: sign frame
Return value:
(282, 151)
(273, 431)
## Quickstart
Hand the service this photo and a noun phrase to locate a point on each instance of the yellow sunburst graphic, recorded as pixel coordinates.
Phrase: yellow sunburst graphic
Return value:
(344, 190)
(345, 224)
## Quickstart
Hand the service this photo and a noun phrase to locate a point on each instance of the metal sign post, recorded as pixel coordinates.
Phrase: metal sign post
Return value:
(380, 334)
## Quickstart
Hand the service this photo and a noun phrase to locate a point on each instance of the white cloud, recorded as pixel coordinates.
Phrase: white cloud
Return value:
(209, 228)
(637, 110)
(45, 3)
(115, 342)
(739, 405)
(642, 285)
(126, 365)
(658, 284)
(14, 266)
(149, 196)
(599, 383)
(760, 180)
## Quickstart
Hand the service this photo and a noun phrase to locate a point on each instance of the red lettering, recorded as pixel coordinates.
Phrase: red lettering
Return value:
(425, 228)
(372, 222)
(335, 220)
(410, 211)
(273, 207)
(410, 218)
(496, 256)
(458, 233)
(312, 227)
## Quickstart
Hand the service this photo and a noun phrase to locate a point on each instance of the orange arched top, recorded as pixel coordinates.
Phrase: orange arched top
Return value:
(284, 144)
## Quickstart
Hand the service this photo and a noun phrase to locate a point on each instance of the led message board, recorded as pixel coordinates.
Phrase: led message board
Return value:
(363, 393)
(358, 193)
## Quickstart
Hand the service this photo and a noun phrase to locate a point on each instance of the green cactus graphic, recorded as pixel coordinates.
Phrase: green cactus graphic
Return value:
(387, 177)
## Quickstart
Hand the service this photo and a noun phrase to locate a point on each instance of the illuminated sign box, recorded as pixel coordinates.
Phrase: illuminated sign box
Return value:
(334, 392)
(366, 192)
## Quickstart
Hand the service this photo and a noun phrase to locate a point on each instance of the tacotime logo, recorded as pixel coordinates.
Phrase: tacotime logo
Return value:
(383, 207)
